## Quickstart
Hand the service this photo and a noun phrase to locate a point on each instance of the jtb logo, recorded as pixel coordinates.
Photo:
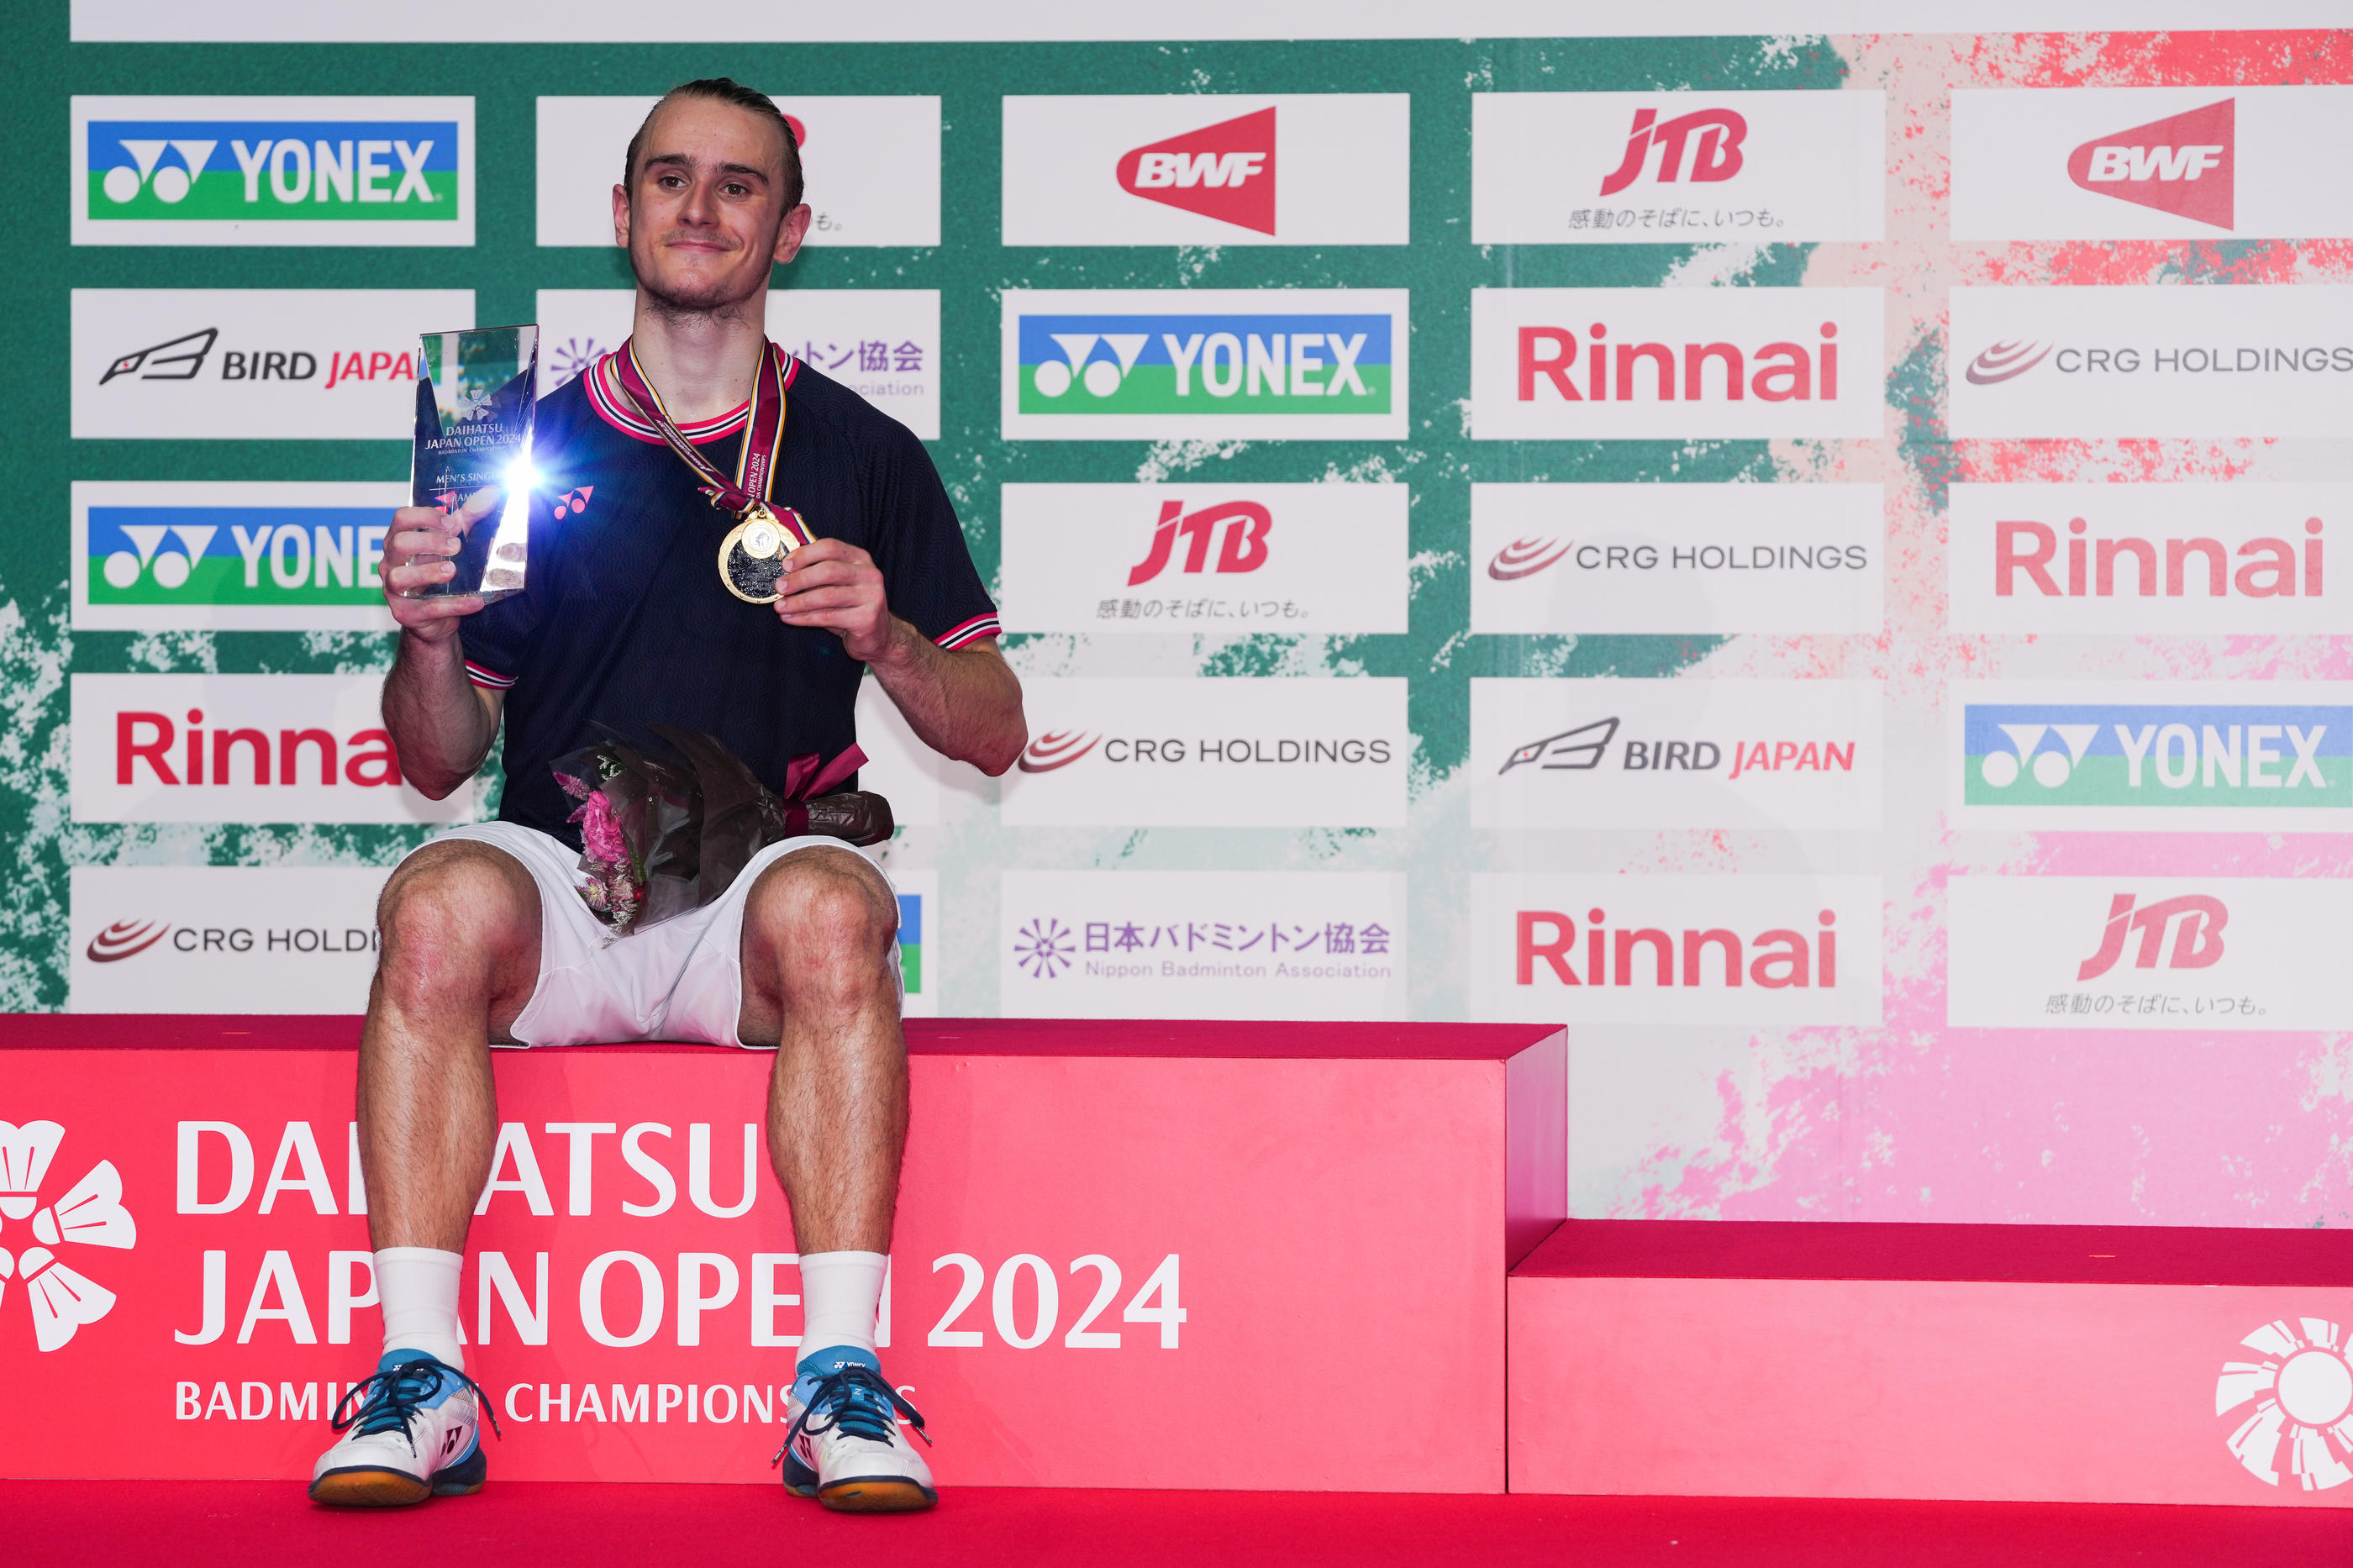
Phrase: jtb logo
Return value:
(1224, 171)
(2184, 164)
(1713, 134)
(1247, 526)
(2197, 939)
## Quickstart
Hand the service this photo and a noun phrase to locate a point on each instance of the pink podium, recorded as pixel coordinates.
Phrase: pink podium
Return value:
(1985, 1363)
(1128, 1255)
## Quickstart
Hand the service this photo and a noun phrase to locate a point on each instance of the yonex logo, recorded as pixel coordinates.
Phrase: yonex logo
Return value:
(172, 184)
(89, 1213)
(1224, 171)
(158, 554)
(245, 169)
(1302, 364)
(2184, 165)
(2214, 755)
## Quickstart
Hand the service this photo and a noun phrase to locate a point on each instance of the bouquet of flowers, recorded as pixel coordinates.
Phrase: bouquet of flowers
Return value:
(661, 837)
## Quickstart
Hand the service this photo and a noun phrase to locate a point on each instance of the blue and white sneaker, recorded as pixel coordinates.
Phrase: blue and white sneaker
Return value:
(845, 1447)
(412, 1429)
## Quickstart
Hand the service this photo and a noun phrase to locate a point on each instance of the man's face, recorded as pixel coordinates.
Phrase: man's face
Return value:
(705, 217)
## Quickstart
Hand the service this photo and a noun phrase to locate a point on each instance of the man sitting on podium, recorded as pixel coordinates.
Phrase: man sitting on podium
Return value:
(625, 623)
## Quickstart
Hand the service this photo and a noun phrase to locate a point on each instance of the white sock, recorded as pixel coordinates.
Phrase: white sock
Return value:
(418, 1288)
(841, 1293)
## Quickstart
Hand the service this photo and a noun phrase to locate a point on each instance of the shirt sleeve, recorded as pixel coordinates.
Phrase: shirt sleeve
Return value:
(927, 570)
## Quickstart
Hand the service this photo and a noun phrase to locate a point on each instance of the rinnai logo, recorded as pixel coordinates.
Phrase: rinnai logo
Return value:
(2024, 551)
(89, 1213)
(1224, 171)
(1245, 524)
(1714, 136)
(2184, 164)
(146, 746)
(2004, 360)
(2194, 920)
(1644, 957)
(126, 939)
(1648, 372)
(1057, 748)
(1525, 558)
(2301, 1391)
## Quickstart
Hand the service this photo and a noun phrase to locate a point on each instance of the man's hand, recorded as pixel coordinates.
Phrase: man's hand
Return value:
(417, 554)
(836, 585)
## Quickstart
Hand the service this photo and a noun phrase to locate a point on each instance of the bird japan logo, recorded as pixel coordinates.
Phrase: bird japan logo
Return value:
(89, 1213)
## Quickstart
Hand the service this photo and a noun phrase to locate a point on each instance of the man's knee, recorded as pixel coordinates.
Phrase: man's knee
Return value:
(824, 904)
(453, 915)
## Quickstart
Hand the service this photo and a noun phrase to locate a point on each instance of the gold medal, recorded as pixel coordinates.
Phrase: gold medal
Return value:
(751, 557)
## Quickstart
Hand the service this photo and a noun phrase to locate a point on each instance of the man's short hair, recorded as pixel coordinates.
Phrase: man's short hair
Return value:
(724, 90)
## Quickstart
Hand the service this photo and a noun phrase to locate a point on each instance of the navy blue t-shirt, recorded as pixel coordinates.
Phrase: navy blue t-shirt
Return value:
(623, 622)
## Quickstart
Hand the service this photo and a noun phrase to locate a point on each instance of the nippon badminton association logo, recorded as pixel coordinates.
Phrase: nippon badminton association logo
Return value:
(89, 1213)
(2302, 1391)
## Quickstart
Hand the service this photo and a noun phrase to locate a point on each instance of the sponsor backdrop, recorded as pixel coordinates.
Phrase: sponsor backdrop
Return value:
(1806, 558)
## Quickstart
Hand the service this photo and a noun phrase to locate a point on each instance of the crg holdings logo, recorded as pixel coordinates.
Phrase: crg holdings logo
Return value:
(1224, 171)
(2181, 164)
(88, 1213)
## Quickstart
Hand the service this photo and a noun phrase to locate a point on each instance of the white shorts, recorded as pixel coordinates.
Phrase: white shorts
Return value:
(680, 980)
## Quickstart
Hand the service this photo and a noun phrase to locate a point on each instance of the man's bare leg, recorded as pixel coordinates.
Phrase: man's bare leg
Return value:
(460, 925)
(460, 928)
(817, 983)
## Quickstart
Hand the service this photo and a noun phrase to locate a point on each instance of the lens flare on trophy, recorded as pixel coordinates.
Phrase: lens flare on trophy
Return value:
(91, 1214)
(25, 1156)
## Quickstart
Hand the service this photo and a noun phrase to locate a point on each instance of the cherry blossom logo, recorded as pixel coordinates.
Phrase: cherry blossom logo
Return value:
(573, 356)
(91, 1213)
(2301, 1391)
(1044, 948)
(1525, 558)
(2005, 361)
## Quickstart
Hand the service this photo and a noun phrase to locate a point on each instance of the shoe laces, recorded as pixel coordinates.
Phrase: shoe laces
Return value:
(857, 1401)
(390, 1397)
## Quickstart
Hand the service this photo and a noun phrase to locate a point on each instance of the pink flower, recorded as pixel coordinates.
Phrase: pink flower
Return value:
(600, 831)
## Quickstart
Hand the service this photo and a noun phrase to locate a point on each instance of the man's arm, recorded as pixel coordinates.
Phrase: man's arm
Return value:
(965, 703)
(442, 724)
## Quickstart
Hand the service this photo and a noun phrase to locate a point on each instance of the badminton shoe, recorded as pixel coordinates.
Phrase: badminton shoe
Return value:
(411, 1430)
(845, 1447)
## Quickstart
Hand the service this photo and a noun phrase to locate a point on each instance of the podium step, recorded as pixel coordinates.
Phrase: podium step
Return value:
(1128, 1255)
(2055, 1363)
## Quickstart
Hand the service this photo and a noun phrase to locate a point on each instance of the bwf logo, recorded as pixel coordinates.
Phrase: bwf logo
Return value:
(1224, 171)
(89, 1213)
(2184, 164)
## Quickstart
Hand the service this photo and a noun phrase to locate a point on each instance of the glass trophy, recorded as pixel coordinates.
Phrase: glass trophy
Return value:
(475, 396)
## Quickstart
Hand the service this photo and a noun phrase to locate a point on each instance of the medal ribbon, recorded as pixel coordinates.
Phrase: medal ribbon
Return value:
(764, 432)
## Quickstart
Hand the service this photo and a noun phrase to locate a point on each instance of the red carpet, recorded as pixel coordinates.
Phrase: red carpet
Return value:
(184, 1524)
